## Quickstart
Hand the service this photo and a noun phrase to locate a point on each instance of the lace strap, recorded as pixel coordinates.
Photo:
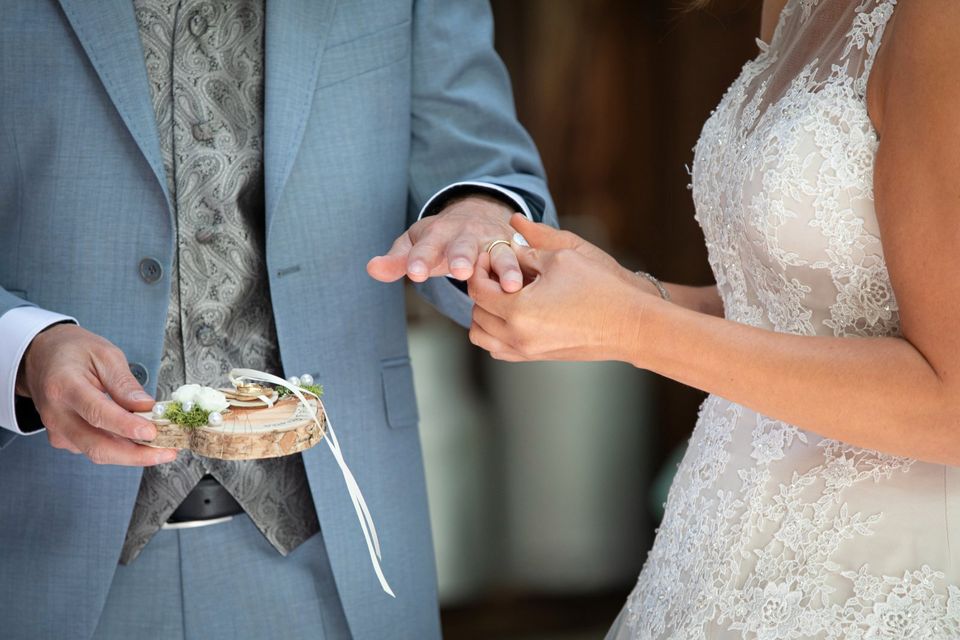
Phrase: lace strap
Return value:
(866, 35)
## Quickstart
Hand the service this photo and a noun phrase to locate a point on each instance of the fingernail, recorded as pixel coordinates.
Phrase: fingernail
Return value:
(164, 457)
(418, 268)
(140, 396)
(146, 433)
(518, 239)
(460, 263)
(513, 276)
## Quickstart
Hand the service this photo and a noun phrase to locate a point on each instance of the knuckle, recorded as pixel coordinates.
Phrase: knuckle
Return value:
(53, 388)
(115, 359)
(93, 413)
(123, 382)
(519, 342)
(56, 440)
(97, 454)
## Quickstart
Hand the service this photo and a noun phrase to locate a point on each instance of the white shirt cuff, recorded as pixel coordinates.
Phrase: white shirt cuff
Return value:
(481, 186)
(18, 326)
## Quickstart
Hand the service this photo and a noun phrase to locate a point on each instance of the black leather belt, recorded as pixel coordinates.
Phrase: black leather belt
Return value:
(207, 501)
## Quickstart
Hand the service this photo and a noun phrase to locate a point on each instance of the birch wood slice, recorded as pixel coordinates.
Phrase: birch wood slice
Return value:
(247, 434)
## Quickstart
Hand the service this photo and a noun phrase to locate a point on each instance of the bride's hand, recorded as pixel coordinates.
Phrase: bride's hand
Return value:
(580, 304)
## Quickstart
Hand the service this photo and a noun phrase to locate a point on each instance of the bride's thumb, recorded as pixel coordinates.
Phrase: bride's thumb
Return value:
(542, 236)
(530, 261)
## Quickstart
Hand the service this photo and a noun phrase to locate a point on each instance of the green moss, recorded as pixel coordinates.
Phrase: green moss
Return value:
(192, 419)
(312, 388)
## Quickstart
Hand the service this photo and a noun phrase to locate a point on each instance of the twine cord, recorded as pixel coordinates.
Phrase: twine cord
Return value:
(356, 496)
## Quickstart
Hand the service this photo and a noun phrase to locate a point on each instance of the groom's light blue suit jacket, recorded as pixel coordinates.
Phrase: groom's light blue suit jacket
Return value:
(371, 107)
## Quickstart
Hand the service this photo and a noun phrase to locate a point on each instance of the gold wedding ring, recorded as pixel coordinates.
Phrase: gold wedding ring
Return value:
(491, 245)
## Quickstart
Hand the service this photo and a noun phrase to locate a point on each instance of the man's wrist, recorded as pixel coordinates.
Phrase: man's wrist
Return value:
(20, 385)
(441, 200)
(485, 203)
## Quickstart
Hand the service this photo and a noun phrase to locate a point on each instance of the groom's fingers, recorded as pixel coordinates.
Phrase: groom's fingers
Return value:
(392, 266)
(504, 263)
(425, 259)
(462, 255)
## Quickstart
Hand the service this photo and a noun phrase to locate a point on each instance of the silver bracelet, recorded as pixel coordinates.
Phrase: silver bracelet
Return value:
(659, 285)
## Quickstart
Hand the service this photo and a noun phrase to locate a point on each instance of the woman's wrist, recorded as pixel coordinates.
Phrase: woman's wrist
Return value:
(642, 340)
(632, 317)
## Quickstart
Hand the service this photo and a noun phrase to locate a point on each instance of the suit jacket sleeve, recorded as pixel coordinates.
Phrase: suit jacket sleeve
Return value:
(20, 322)
(464, 126)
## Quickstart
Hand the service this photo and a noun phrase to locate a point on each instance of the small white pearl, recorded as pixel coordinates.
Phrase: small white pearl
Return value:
(159, 409)
(187, 406)
(306, 380)
(294, 380)
(215, 419)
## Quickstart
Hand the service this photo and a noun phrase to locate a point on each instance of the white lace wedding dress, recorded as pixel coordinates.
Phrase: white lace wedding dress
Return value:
(771, 532)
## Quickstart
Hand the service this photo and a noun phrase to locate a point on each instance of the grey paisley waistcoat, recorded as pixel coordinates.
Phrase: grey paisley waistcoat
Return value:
(204, 62)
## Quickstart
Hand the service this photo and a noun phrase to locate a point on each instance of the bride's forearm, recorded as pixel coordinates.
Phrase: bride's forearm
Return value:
(704, 299)
(878, 393)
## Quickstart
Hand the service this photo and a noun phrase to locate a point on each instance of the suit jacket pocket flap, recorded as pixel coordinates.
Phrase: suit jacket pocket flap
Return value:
(398, 393)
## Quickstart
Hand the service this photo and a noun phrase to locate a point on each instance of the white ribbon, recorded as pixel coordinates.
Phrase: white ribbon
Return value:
(359, 504)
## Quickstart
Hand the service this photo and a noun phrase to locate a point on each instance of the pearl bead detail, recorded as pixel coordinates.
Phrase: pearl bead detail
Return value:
(215, 419)
(294, 380)
(187, 406)
(306, 380)
(159, 409)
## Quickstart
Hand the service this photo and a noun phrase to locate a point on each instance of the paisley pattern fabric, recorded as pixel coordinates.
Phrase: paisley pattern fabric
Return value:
(771, 532)
(204, 61)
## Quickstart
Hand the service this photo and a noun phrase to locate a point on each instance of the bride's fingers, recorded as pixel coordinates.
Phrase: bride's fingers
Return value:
(531, 263)
(541, 235)
(497, 348)
(484, 290)
(490, 323)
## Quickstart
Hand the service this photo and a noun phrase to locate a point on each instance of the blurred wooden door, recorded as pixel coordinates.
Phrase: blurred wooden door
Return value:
(615, 92)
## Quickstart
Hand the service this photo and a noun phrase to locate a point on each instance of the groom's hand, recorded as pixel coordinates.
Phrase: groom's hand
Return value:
(451, 242)
(85, 394)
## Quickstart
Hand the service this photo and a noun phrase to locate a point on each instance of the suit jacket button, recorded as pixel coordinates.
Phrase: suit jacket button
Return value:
(139, 372)
(150, 270)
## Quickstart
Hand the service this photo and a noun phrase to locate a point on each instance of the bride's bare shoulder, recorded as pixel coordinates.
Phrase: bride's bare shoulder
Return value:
(919, 60)
(769, 18)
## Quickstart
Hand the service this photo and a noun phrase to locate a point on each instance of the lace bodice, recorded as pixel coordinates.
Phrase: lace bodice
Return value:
(771, 532)
(783, 179)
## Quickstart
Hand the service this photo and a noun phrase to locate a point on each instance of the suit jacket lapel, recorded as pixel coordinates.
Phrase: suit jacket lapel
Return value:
(296, 31)
(107, 30)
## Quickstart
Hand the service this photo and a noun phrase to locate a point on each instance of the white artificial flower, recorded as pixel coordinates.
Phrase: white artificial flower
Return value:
(185, 393)
(210, 399)
(206, 398)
